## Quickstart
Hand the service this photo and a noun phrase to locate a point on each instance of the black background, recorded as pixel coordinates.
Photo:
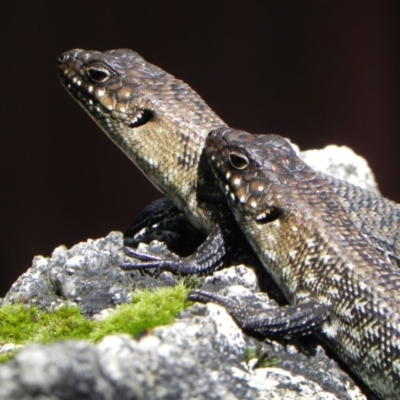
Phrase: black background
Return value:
(318, 72)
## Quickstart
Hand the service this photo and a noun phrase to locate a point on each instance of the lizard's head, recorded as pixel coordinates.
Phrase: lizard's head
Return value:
(156, 119)
(256, 172)
(132, 99)
(110, 85)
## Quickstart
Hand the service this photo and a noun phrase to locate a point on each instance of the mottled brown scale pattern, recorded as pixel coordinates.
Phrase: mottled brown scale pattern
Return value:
(168, 145)
(320, 247)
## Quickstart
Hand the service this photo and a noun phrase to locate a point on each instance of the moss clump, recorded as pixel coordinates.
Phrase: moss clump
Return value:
(7, 356)
(148, 310)
(263, 359)
(20, 324)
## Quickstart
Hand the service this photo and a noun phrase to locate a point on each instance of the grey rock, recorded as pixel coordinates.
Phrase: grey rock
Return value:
(198, 357)
(87, 275)
(192, 359)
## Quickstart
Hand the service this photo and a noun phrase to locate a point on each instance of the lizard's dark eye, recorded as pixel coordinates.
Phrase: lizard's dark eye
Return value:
(238, 161)
(98, 74)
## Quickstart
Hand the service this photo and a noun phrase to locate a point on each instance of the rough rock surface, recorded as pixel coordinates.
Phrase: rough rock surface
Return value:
(88, 274)
(201, 356)
(178, 362)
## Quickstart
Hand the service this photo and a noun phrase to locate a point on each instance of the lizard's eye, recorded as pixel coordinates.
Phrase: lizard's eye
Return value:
(238, 161)
(98, 74)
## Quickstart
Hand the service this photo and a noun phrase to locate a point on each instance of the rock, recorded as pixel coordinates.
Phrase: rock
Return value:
(88, 275)
(191, 359)
(201, 356)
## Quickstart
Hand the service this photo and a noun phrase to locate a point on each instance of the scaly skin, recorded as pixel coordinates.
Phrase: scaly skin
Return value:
(319, 252)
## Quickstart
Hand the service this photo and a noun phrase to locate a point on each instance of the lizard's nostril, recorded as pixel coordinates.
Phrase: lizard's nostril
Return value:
(62, 58)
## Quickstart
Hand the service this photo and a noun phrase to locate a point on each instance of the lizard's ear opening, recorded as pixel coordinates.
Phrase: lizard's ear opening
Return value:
(268, 215)
(141, 118)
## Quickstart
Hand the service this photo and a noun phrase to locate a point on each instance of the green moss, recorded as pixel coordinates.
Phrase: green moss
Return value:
(191, 281)
(263, 359)
(249, 354)
(7, 356)
(20, 324)
(148, 310)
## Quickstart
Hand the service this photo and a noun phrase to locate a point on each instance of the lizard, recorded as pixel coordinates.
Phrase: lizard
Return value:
(161, 124)
(339, 282)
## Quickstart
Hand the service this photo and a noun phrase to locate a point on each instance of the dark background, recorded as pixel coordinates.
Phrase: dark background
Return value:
(318, 72)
